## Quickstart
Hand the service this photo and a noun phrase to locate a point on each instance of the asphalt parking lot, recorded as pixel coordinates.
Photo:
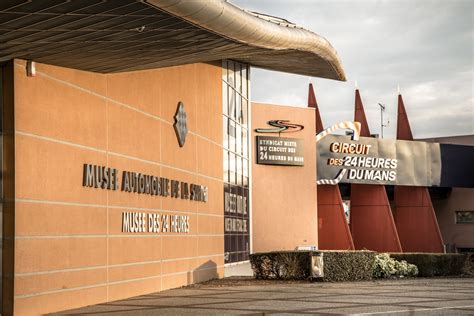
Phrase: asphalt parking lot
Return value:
(434, 296)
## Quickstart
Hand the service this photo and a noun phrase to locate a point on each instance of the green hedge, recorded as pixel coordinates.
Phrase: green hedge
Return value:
(348, 265)
(296, 265)
(434, 264)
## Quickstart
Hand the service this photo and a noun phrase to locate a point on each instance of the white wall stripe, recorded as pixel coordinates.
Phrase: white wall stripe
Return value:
(124, 235)
(53, 140)
(114, 283)
(106, 98)
(124, 207)
(119, 265)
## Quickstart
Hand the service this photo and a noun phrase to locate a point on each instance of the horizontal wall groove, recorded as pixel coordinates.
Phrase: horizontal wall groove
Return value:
(114, 283)
(54, 140)
(118, 265)
(108, 99)
(125, 235)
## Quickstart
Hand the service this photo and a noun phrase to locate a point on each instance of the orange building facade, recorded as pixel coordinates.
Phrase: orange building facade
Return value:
(68, 243)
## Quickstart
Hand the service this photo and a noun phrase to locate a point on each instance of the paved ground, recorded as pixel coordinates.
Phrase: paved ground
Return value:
(400, 297)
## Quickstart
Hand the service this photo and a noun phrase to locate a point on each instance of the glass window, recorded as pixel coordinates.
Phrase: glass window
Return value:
(232, 134)
(239, 170)
(238, 78)
(225, 109)
(226, 166)
(238, 109)
(245, 112)
(238, 139)
(225, 134)
(235, 112)
(230, 73)
(246, 173)
(232, 168)
(244, 81)
(232, 97)
(245, 143)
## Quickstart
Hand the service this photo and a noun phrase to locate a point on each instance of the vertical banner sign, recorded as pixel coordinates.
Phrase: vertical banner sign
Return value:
(280, 151)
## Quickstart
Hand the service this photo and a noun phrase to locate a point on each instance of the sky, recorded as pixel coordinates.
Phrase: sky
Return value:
(425, 47)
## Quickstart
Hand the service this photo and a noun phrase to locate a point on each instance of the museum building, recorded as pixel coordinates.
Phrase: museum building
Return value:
(126, 146)
(134, 160)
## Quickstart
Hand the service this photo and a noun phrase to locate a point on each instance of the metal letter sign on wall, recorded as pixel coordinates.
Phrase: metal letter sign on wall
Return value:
(180, 124)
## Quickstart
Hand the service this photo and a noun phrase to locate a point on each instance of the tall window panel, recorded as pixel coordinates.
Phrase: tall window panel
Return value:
(235, 88)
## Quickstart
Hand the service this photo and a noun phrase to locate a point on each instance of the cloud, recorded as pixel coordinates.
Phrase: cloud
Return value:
(426, 46)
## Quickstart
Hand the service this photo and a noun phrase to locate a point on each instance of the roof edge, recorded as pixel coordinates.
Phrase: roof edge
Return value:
(232, 22)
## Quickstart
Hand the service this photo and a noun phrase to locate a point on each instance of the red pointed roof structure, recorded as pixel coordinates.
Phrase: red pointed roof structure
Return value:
(414, 214)
(359, 115)
(312, 103)
(372, 225)
(333, 231)
(403, 125)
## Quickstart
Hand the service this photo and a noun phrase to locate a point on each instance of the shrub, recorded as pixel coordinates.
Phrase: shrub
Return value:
(386, 267)
(337, 265)
(434, 264)
(348, 265)
(281, 265)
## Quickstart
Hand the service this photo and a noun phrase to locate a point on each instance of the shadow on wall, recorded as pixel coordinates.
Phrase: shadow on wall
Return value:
(152, 302)
(204, 272)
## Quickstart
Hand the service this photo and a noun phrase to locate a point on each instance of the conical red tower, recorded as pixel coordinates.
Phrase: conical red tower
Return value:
(414, 214)
(333, 231)
(372, 225)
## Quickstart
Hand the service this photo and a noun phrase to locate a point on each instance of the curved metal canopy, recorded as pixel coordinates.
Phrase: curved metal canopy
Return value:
(121, 35)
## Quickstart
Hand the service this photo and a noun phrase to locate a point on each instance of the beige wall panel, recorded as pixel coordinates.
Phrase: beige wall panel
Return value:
(53, 302)
(132, 199)
(210, 245)
(209, 274)
(54, 109)
(210, 224)
(132, 133)
(209, 262)
(94, 82)
(178, 265)
(178, 204)
(284, 201)
(178, 279)
(180, 84)
(50, 171)
(129, 272)
(215, 203)
(75, 110)
(179, 246)
(209, 159)
(46, 254)
(134, 288)
(209, 101)
(134, 249)
(179, 157)
(457, 235)
(41, 219)
(140, 89)
(33, 284)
